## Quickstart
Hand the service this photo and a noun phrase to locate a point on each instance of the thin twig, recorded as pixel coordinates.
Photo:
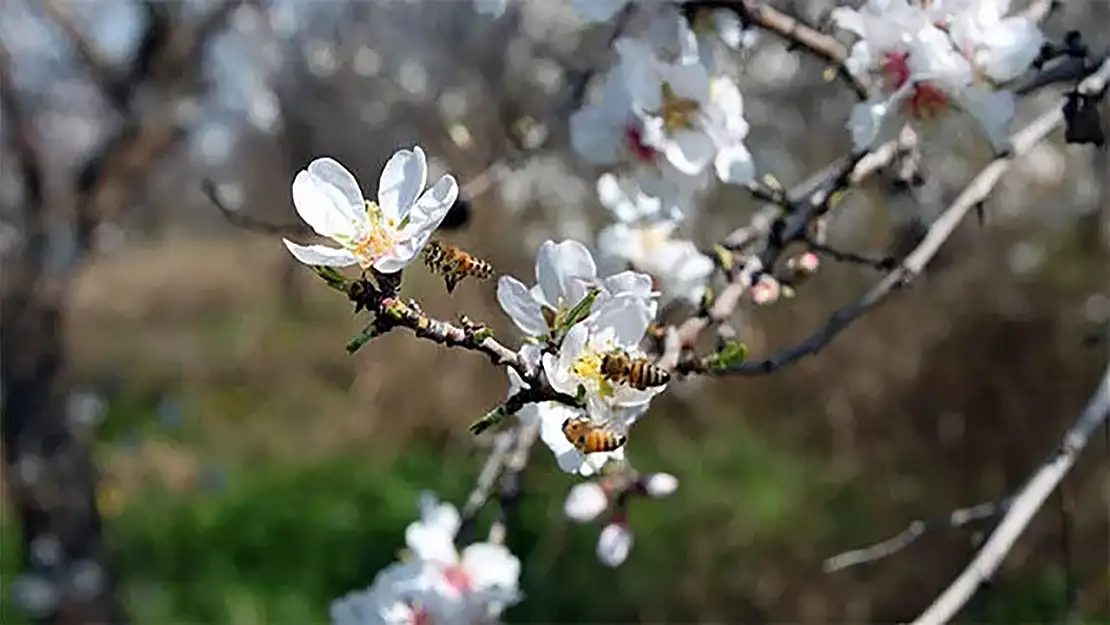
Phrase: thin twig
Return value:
(916, 529)
(938, 234)
(1024, 507)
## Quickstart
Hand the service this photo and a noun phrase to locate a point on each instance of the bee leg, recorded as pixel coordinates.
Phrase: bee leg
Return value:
(450, 280)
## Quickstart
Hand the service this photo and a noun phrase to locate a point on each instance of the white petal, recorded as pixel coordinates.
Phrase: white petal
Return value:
(517, 302)
(594, 136)
(491, 566)
(560, 269)
(631, 283)
(327, 198)
(402, 180)
(433, 206)
(594, 463)
(551, 433)
(734, 164)
(628, 317)
(430, 543)
(396, 259)
(321, 255)
(585, 502)
(614, 544)
(993, 110)
(729, 28)
(689, 151)
(876, 119)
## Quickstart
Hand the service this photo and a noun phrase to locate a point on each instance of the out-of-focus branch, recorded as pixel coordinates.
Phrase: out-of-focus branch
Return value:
(763, 15)
(103, 72)
(1022, 510)
(939, 232)
(953, 520)
(49, 470)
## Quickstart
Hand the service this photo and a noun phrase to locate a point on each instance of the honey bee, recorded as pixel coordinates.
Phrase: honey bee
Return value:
(454, 263)
(590, 438)
(638, 373)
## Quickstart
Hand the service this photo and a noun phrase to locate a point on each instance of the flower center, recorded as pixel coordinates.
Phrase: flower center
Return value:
(652, 238)
(377, 240)
(677, 113)
(587, 368)
(927, 102)
(458, 578)
(634, 141)
(895, 69)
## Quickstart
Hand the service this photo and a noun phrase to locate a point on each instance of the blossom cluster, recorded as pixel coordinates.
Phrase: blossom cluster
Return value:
(434, 583)
(667, 123)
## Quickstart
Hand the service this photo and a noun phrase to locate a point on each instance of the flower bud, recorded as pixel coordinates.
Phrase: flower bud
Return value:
(766, 291)
(804, 264)
(585, 502)
(660, 485)
(614, 544)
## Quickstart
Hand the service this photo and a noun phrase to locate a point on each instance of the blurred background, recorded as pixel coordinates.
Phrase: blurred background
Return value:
(251, 471)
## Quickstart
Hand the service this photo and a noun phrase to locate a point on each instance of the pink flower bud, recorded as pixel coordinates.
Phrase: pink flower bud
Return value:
(766, 291)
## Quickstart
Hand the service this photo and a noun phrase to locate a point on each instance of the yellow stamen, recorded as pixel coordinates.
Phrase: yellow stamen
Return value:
(677, 113)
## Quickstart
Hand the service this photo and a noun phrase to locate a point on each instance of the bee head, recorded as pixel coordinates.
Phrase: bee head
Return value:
(566, 422)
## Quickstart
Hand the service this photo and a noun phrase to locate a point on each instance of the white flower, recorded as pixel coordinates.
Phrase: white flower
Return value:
(629, 204)
(609, 132)
(585, 502)
(618, 325)
(480, 582)
(565, 273)
(691, 119)
(551, 416)
(671, 98)
(928, 61)
(1001, 48)
(678, 268)
(393, 599)
(614, 544)
(386, 235)
(660, 485)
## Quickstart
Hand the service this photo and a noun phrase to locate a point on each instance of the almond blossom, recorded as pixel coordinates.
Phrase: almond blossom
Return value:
(551, 416)
(435, 584)
(618, 325)
(385, 235)
(692, 120)
(609, 133)
(565, 273)
(643, 237)
(924, 64)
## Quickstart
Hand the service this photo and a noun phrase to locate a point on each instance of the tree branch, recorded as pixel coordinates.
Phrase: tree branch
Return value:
(1022, 510)
(939, 232)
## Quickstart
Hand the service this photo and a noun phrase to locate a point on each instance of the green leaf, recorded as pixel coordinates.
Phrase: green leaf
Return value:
(730, 354)
(492, 418)
(580, 311)
(362, 338)
(331, 277)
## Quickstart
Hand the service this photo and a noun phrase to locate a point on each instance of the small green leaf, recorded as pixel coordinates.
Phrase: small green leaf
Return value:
(331, 277)
(404, 222)
(730, 354)
(482, 334)
(580, 311)
(492, 418)
(725, 258)
(362, 338)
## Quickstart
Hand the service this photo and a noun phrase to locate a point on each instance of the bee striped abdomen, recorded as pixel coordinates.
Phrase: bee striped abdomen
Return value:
(453, 264)
(638, 373)
(589, 438)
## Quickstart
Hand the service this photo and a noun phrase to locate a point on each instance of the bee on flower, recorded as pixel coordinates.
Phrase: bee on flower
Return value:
(385, 235)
